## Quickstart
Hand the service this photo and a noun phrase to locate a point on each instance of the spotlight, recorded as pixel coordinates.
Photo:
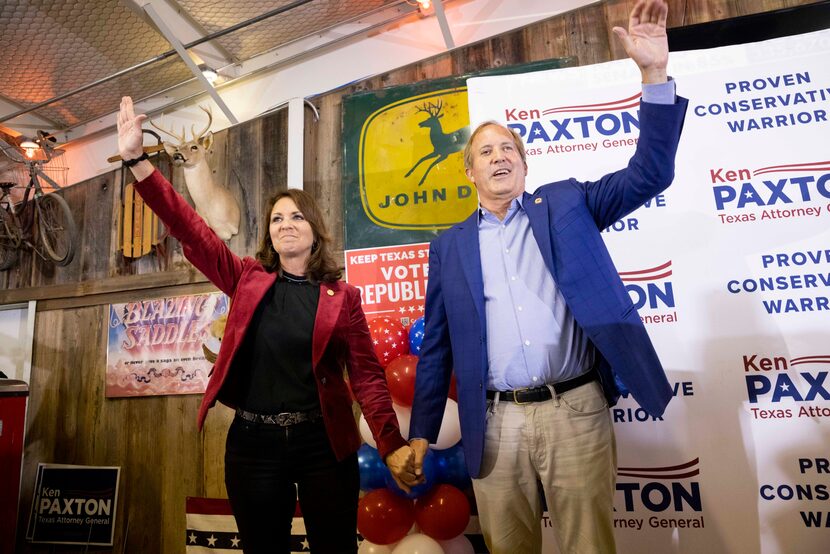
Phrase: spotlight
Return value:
(209, 73)
(426, 8)
(30, 148)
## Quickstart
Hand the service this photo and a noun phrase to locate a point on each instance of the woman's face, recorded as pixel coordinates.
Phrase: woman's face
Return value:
(291, 234)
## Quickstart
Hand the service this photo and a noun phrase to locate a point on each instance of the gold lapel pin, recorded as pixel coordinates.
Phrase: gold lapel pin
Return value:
(537, 201)
(330, 292)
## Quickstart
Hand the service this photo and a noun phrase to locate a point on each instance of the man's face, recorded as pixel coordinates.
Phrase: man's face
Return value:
(498, 171)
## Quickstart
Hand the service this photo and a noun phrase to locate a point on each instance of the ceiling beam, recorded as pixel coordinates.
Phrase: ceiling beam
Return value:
(444, 24)
(188, 61)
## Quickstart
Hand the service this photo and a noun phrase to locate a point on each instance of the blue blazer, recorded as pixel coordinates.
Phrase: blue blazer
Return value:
(567, 218)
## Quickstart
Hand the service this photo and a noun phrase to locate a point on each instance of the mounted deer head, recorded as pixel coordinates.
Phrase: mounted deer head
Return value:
(212, 201)
(189, 152)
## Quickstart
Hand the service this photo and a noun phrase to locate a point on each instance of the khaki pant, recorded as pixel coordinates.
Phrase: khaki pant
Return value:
(567, 444)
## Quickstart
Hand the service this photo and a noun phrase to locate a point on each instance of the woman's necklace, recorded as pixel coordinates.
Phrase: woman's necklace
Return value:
(294, 278)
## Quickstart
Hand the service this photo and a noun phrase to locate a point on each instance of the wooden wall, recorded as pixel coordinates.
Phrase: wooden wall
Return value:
(154, 440)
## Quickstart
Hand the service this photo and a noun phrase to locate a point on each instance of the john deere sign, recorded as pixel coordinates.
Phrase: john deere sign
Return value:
(403, 172)
(411, 166)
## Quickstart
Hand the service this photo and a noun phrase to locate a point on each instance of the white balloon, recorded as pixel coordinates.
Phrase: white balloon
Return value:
(365, 432)
(402, 413)
(450, 432)
(459, 545)
(367, 547)
(418, 544)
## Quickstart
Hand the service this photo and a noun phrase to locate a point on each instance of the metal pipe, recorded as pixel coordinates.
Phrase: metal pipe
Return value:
(165, 55)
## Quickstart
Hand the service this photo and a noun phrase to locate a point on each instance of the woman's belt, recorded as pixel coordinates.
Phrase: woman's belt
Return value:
(283, 419)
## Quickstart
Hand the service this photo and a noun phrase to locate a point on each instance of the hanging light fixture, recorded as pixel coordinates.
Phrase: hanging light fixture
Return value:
(424, 6)
(30, 148)
(210, 74)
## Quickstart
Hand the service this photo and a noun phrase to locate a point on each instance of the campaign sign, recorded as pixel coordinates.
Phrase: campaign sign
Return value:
(74, 505)
(392, 279)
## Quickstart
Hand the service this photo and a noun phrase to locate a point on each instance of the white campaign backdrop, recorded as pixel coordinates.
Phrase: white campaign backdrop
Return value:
(718, 473)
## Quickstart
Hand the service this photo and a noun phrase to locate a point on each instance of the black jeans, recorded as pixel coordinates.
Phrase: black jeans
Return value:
(267, 467)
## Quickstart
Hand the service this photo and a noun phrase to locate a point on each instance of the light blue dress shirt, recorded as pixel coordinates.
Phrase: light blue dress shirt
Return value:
(532, 337)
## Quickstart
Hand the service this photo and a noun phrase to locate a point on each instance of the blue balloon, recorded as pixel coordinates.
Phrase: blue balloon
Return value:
(373, 471)
(452, 467)
(430, 472)
(416, 336)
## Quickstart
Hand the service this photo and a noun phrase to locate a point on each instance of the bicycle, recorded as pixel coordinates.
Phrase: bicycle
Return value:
(41, 219)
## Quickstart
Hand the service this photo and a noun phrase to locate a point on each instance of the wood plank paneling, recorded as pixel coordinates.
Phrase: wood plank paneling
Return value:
(154, 440)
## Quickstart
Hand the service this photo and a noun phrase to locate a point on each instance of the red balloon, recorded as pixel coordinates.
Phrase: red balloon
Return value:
(389, 339)
(453, 395)
(442, 513)
(383, 517)
(400, 376)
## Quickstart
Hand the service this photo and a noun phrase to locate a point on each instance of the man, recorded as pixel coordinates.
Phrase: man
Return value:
(524, 303)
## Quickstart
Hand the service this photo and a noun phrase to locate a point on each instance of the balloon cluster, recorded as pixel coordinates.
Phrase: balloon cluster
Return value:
(432, 518)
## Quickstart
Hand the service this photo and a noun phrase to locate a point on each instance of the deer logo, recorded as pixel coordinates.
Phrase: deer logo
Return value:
(212, 201)
(443, 144)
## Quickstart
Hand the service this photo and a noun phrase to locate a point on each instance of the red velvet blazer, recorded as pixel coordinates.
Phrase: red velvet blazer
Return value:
(341, 335)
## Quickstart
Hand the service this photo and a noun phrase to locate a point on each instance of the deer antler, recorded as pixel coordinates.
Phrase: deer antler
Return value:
(432, 109)
(438, 105)
(181, 138)
(424, 108)
(209, 113)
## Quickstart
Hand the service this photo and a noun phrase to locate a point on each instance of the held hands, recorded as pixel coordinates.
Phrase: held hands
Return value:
(400, 464)
(406, 464)
(419, 447)
(645, 41)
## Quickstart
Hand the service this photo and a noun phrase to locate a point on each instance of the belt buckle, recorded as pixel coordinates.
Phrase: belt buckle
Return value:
(284, 419)
(516, 398)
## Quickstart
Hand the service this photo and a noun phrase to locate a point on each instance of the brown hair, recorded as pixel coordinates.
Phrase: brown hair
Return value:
(517, 140)
(322, 267)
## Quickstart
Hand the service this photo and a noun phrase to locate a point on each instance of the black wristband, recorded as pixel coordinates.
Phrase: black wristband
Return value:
(130, 163)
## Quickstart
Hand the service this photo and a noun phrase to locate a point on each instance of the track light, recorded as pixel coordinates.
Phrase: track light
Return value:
(424, 6)
(209, 73)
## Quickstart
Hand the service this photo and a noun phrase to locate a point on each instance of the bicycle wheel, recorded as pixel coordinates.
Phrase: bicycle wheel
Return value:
(56, 228)
(10, 238)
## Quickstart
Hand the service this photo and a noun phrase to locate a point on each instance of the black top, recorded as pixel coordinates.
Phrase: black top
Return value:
(274, 360)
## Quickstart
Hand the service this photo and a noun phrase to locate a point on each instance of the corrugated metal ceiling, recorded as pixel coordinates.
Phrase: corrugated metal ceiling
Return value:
(54, 47)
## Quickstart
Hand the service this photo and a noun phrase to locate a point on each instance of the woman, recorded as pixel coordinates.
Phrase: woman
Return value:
(291, 328)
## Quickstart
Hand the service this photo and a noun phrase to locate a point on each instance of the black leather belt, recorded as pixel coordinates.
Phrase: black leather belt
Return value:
(540, 394)
(283, 419)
